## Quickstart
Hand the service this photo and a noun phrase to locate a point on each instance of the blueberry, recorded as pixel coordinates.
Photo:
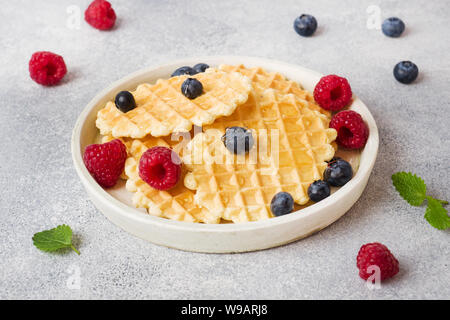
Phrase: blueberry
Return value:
(393, 27)
(125, 101)
(338, 173)
(184, 70)
(191, 88)
(282, 203)
(200, 67)
(406, 72)
(305, 25)
(238, 139)
(318, 190)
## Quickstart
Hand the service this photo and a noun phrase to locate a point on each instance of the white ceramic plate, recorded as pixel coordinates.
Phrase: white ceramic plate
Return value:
(221, 238)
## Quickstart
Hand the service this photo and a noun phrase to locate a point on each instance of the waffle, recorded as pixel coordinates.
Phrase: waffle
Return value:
(176, 141)
(162, 109)
(240, 187)
(263, 80)
(176, 203)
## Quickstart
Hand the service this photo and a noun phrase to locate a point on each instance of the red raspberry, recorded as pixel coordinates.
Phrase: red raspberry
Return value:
(379, 255)
(332, 92)
(46, 68)
(100, 15)
(160, 167)
(105, 162)
(352, 131)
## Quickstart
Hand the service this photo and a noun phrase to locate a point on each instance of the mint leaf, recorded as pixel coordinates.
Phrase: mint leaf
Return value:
(411, 187)
(436, 214)
(54, 239)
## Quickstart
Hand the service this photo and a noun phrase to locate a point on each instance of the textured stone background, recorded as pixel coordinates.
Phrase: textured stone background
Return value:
(40, 188)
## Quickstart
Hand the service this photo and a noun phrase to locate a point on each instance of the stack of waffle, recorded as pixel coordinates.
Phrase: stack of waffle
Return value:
(292, 138)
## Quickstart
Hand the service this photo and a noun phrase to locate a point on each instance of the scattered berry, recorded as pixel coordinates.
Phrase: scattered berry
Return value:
(160, 168)
(184, 70)
(238, 140)
(47, 68)
(318, 190)
(200, 67)
(105, 162)
(406, 72)
(352, 131)
(282, 203)
(191, 88)
(125, 101)
(376, 254)
(305, 25)
(338, 173)
(100, 15)
(393, 27)
(333, 92)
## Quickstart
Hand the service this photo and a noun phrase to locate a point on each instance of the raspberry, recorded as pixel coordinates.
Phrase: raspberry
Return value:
(160, 167)
(352, 131)
(47, 68)
(105, 162)
(379, 255)
(100, 15)
(333, 92)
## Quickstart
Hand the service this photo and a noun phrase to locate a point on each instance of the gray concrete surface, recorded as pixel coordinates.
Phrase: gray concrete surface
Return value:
(40, 188)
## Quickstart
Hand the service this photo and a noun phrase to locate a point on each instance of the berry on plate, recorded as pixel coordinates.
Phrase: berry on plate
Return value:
(160, 168)
(200, 67)
(191, 88)
(305, 25)
(376, 254)
(105, 162)
(406, 72)
(125, 101)
(100, 15)
(318, 190)
(333, 92)
(352, 131)
(338, 173)
(184, 70)
(47, 68)
(282, 203)
(238, 140)
(393, 27)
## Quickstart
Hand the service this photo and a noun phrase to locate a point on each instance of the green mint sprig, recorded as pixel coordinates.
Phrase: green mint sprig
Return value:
(54, 239)
(414, 190)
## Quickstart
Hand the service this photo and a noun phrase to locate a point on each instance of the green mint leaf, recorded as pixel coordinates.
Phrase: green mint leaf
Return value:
(411, 187)
(436, 214)
(54, 239)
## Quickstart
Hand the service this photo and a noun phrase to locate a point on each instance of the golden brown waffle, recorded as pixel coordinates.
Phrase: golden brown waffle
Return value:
(242, 188)
(162, 109)
(263, 80)
(176, 203)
